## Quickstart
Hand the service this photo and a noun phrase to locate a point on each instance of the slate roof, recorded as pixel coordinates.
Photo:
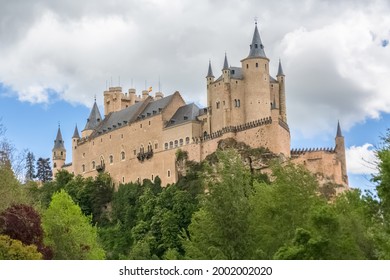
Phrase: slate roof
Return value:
(339, 134)
(210, 71)
(76, 133)
(225, 63)
(155, 107)
(257, 47)
(184, 114)
(94, 118)
(59, 143)
(280, 69)
(235, 73)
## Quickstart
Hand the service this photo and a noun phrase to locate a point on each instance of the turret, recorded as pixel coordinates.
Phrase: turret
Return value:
(93, 121)
(226, 70)
(282, 92)
(255, 70)
(58, 153)
(340, 153)
(75, 138)
(210, 77)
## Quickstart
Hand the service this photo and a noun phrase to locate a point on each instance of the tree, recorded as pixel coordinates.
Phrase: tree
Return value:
(30, 166)
(220, 229)
(68, 232)
(23, 223)
(44, 172)
(11, 249)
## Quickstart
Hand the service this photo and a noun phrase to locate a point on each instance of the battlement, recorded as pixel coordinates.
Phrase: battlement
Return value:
(302, 151)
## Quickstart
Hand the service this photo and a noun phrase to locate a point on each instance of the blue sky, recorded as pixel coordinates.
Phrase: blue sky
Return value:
(56, 56)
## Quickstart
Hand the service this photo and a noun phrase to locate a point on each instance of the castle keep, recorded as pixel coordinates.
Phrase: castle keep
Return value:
(138, 136)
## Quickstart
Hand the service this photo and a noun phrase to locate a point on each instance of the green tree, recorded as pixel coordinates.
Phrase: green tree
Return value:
(30, 167)
(220, 229)
(44, 172)
(11, 249)
(68, 232)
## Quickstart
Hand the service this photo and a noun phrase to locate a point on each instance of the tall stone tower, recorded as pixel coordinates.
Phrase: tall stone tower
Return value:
(255, 69)
(340, 153)
(282, 93)
(58, 153)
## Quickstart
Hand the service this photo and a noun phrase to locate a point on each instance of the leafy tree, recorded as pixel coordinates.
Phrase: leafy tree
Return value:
(44, 172)
(220, 230)
(30, 166)
(11, 249)
(23, 223)
(280, 208)
(68, 232)
(10, 189)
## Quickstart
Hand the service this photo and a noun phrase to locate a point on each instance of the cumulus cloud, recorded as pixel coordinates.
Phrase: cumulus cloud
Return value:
(333, 54)
(361, 159)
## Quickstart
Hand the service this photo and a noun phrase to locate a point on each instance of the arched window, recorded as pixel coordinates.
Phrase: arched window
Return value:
(238, 103)
(171, 145)
(217, 104)
(93, 165)
(187, 140)
(169, 173)
(150, 147)
(181, 142)
(123, 155)
(83, 167)
(176, 143)
(205, 134)
(166, 146)
(111, 159)
(102, 161)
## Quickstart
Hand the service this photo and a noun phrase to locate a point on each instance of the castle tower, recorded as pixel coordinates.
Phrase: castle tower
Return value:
(255, 70)
(58, 153)
(210, 79)
(226, 70)
(92, 122)
(75, 138)
(340, 153)
(282, 93)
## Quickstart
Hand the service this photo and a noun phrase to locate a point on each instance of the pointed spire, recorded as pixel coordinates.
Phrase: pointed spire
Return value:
(76, 133)
(225, 63)
(257, 47)
(94, 118)
(338, 134)
(210, 71)
(280, 69)
(59, 143)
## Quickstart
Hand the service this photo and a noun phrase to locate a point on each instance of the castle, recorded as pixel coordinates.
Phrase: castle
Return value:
(139, 135)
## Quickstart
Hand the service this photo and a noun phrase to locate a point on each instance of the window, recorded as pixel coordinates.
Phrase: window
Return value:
(149, 122)
(93, 165)
(110, 136)
(83, 155)
(217, 104)
(257, 65)
(55, 165)
(121, 136)
(123, 179)
(62, 153)
(135, 152)
(169, 173)
(247, 66)
(150, 147)
(187, 140)
(155, 146)
(102, 161)
(83, 167)
(166, 146)
(181, 142)
(101, 139)
(152, 177)
(171, 145)
(111, 159)
(123, 155)
(237, 103)
(176, 143)
(223, 103)
(140, 125)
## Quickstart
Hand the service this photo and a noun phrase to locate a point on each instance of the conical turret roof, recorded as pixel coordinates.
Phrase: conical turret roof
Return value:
(339, 134)
(280, 69)
(225, 63)
(210, 71)
(59, 143)
(257, 47)
(76, 133)
(94, 118)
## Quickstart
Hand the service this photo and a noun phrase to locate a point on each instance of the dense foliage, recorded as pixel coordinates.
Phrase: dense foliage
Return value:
(219, 209)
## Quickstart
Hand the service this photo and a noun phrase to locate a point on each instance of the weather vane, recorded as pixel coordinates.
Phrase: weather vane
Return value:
(256, 18)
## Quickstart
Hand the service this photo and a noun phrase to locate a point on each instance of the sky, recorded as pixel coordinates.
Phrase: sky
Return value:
(56, 56)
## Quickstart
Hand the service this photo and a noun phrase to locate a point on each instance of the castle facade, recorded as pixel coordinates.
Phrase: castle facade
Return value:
(139, 135)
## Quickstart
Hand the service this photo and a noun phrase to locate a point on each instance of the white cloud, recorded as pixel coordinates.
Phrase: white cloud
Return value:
(332, 53)
(361, 159)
